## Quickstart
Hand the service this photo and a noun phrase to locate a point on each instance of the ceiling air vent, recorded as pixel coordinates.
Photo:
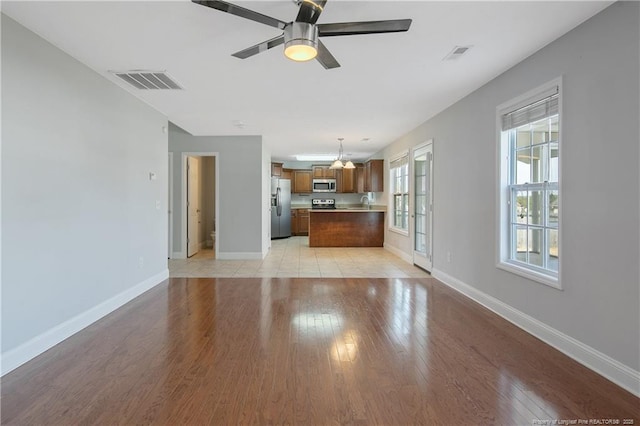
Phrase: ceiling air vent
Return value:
(148, 80)
(456, 53)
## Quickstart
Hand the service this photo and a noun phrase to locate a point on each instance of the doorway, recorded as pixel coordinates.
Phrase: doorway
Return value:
(199, 204)
(423, 206)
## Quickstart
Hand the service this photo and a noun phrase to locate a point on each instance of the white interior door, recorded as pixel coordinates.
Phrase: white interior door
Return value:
(423, 207)
(193, 205)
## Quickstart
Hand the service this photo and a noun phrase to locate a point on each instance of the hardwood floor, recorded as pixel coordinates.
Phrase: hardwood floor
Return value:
(306, 351)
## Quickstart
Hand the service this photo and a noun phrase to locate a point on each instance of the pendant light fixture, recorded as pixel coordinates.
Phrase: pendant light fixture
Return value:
(338, 164)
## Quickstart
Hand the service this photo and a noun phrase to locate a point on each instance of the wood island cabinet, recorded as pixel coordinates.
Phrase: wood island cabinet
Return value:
(302, 182)
(346, 228)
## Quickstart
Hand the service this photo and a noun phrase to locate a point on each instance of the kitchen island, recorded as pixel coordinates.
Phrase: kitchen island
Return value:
(346, 228)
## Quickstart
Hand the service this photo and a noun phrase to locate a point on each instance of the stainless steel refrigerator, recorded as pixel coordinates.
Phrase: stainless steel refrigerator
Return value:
(280, 208)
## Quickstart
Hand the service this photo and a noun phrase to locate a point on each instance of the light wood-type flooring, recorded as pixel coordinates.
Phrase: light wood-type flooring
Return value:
(292, 257)
(307, 351)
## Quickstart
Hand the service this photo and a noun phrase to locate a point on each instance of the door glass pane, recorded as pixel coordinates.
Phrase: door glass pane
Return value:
(523, 166)
(421, 244)
(420, 165)
(420, 223)
(552, 239)
(420, 184)
(535, 207)
(420, 205)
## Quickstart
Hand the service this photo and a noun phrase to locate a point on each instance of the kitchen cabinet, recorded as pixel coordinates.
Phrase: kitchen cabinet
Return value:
(374, 176)
(302, 181)
(360, 178)
(339, 228)
(323, 172)
(294, 222)
(303, 222)
(286, 174)
(346, 181)
(276, 169)
(299, 221)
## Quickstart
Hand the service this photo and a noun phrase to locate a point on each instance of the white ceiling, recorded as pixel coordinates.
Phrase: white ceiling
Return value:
(387, 85)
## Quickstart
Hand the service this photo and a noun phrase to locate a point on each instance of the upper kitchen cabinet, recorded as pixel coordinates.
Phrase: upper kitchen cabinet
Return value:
(347, 181)
(276, 169)
(302, 181)
(374, 176)
(286, 174)
(323, 172)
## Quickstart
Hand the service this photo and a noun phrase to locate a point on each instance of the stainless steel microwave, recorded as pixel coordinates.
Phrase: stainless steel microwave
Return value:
(324, 185)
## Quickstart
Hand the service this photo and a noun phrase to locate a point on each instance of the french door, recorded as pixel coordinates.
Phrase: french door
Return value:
(423, 206)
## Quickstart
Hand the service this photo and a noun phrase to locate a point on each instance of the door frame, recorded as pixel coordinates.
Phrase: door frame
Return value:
(412, 224)
(183, 198)
(170, 205)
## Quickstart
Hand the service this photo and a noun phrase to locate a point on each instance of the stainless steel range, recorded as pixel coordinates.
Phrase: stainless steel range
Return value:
(323, 203)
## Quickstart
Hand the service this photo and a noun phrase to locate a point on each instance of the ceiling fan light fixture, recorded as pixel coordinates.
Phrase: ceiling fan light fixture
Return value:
(300, 52)
(300, 41)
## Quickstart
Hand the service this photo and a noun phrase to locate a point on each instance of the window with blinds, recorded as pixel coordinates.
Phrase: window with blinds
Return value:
(530, 191)
(399, 171)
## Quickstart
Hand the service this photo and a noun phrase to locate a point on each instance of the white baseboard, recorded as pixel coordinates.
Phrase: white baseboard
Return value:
(239, 256)
(402, 255)
(618, 373)
(14, 358)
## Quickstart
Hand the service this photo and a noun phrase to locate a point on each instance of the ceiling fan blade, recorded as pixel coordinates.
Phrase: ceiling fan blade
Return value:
(325, 57)
(310, 11)
(370, 27)
(242, 12)
(260, 47)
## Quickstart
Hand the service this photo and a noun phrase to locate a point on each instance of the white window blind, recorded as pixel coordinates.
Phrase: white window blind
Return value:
(543, 108)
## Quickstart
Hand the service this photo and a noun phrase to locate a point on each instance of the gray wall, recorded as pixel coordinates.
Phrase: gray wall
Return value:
(599, 306)
(240, 197)
(79, 209)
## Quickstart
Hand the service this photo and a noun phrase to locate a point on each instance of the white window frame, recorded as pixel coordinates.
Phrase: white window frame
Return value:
(404, 157)
(504, 255)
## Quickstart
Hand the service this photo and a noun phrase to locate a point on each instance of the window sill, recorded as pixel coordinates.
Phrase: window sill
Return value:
(524, 272)
(399, 231)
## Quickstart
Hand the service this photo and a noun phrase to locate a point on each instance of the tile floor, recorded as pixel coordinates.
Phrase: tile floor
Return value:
(292, 257)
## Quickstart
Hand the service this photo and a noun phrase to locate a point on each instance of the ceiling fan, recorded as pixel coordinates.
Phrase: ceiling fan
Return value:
(301, 36)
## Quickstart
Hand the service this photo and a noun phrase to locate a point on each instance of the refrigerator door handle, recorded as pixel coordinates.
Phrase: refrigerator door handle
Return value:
(278, 201)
